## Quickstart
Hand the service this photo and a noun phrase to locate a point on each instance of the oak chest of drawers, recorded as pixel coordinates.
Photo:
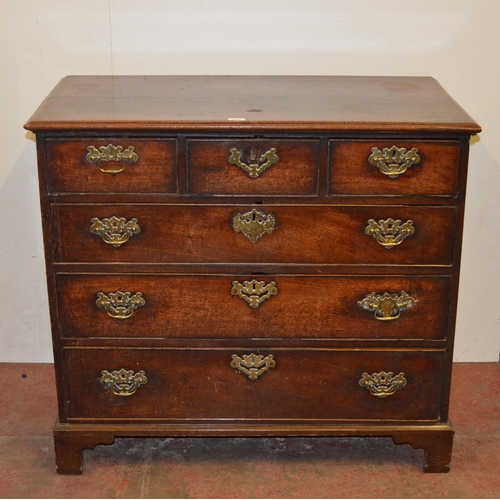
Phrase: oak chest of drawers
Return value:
(252, 256)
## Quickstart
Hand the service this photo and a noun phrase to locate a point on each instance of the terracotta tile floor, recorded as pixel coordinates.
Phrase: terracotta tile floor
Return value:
(247, 468)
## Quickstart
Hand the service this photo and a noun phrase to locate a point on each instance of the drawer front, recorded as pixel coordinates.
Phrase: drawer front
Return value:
(230, 384)
(375, 167)
(253, 167)
(222, 307)
(211, 234)
(99, 166)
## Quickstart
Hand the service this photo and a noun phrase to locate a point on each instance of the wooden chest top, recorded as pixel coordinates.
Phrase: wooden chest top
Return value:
(343, 103)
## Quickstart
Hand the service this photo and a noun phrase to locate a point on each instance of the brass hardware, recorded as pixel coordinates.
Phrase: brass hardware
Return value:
(383, 384)
(389, 233)
(254, 292)
(111, 153)
(260, 165)
(115, 231)
(387, 307)
(123, 382)
(120, 305)
(393, 161)
(254, 224)
(252, 365)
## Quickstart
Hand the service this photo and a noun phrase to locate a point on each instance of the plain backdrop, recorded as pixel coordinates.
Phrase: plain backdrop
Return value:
(455, 41)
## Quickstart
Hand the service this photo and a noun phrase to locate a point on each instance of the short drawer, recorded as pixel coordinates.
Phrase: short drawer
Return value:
(271, 385)
(243, 307)
(112, 165)
(395, 167)
(226, 234)
(253, 167)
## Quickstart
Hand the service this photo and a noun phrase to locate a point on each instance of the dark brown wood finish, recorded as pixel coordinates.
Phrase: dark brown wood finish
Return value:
(334, 103)
(435, 174)
(153, 172)
(204, 234)
(202, 307)
(200, 385)
(184, 193)
(295, 173)
(72, 439)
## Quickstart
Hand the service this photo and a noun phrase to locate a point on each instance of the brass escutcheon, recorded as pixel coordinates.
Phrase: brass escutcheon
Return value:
(388, 306)
(393, 161)
(259, 165)
(111, 153)
(383, 384)
(113, 230)
(254, 292)
(254, 224)
(389, 233)
(123, 382)
(252, 365)
(120, 305)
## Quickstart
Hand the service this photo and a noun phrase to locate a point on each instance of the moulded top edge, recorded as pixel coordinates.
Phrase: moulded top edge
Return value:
(60, 126)
(299, 103)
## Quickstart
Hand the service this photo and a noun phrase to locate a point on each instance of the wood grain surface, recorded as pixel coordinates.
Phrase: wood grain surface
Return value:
(296, 172)
(154, 171)
(304, 385)
(202, 307)
(251, 102)
(203, 234)
(435, 174)
(185, 193)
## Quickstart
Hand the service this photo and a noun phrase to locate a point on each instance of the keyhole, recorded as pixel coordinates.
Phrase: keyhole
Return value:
(253, 154)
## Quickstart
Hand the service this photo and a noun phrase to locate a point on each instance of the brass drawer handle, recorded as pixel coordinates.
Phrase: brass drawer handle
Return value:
(393, 161)
(111, 153)
(388, 306)
(383, 384)
(252, 365)
(115, 231)
(389, 233)
(254, 224)
(120, 305)
(259, 165)
(254, 292)
(123, 382)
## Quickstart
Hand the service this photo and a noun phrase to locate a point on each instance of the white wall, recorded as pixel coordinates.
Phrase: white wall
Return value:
(456, 41)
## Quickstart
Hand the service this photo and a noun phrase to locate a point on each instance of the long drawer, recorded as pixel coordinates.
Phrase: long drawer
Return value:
(301, 385)
(227, 234)
(239, 307)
